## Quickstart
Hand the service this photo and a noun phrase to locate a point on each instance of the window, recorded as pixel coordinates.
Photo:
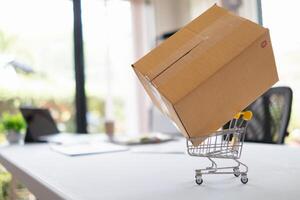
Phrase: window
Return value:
(281, 17)
(107, 32)
(36, 57)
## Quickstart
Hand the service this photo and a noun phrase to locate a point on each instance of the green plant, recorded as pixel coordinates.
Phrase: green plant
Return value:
(13, 122)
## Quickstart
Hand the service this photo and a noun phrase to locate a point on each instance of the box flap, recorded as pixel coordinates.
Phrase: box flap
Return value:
(175, 47)
(222, 41)
(167, 53)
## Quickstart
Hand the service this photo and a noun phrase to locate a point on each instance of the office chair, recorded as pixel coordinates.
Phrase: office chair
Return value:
(271, 115)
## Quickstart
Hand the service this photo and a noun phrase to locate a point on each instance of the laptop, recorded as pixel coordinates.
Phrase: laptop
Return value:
(41, 127)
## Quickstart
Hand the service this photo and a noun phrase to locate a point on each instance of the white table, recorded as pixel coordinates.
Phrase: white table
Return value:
(274, 173)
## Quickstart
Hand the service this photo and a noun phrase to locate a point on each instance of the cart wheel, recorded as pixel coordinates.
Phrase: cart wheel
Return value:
(236, 171)
(244, 178)
(199, 180)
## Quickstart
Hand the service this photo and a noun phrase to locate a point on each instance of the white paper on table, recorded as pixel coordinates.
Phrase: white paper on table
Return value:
(87, 148)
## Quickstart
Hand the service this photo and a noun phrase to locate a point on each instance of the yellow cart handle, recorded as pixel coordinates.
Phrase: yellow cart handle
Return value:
(247, 115)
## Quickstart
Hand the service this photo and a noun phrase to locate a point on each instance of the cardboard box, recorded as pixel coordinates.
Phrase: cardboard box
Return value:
(208, 71)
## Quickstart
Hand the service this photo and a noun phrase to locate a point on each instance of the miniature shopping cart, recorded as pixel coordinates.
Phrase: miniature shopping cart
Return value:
(225, 144)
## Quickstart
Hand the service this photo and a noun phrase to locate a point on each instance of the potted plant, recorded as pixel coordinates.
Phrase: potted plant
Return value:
(13, 125)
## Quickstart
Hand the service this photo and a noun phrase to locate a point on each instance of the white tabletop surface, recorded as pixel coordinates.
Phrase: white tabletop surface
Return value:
(274, 173)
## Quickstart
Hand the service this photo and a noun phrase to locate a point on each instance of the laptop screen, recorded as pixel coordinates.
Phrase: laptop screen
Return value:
(39, 123)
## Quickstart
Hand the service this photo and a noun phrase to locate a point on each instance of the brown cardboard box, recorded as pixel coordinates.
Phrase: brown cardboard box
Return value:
(208, 71)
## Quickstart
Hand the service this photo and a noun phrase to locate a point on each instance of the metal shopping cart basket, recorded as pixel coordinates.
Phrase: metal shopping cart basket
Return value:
(224, 144)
